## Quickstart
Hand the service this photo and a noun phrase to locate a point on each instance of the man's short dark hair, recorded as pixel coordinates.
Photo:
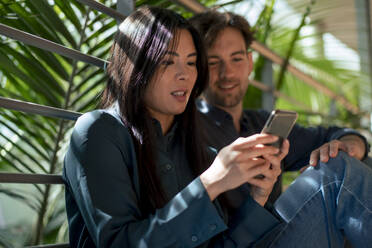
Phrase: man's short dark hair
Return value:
(211, 23)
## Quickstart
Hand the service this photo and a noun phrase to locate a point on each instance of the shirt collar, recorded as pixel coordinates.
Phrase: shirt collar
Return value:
(164, 139)
(212, 112)
(244, 122)
(169, 136)
(221, 117)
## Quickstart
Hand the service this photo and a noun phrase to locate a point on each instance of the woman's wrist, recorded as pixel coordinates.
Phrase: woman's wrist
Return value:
(210, 185)
(261, 200)
(260, 197)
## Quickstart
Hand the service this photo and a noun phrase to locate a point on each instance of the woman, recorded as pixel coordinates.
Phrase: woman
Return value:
(132, 169)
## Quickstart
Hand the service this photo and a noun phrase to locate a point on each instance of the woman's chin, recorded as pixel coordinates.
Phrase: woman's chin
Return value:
(179, 110)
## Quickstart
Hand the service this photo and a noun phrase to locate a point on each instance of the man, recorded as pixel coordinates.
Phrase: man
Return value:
(227, 37)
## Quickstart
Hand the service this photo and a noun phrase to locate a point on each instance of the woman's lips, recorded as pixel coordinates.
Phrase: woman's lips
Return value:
(179, 95)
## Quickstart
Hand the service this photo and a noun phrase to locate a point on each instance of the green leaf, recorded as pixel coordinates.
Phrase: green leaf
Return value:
(29, 22)
(94, 89)
(69, 12)
(36, 70)
(8, 65)
(25, 138)
(51, 19)
(24, 152)
(25, 197)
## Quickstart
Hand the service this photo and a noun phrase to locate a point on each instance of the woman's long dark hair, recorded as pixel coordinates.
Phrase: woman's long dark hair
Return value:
(139, 45)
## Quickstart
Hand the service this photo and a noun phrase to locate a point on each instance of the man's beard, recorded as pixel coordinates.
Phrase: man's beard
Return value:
(223, 100)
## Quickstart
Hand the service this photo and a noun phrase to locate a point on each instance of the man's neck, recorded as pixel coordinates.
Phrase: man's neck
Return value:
(236, 113)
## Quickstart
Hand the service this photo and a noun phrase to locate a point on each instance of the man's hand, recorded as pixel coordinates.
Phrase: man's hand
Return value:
(351, 144)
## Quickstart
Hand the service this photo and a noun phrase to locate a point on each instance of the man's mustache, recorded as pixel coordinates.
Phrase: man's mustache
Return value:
(227, 80)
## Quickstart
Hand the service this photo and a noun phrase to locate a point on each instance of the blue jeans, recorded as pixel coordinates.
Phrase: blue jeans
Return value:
(326, 204)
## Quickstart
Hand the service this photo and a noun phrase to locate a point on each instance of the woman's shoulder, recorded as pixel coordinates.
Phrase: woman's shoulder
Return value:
(95, 118)
(101, 121)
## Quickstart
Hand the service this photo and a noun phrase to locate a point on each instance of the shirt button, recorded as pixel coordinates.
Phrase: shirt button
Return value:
(194, 238)
(168, 167)
(213, 227)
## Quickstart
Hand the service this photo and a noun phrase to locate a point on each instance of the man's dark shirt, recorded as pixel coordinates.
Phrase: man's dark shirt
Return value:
(220, 131)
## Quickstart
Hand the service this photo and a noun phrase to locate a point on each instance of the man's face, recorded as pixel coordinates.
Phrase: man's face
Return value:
(229, 68)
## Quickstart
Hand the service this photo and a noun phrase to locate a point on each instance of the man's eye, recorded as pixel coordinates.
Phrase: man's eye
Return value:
(237, 59)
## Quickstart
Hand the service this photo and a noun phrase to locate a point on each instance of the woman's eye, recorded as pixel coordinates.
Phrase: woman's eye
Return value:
(212, 63)
(167, 62)
(192, 63)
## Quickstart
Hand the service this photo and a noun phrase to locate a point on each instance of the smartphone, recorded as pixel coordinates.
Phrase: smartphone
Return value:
(280, 123)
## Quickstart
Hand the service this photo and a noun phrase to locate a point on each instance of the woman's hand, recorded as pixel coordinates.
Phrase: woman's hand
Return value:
(240, 162)
(262, 186)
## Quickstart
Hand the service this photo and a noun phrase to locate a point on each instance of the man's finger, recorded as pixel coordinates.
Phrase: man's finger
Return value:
(333, 148)
(314, 157)
(304, 168)
(350, 148)
(324, 153)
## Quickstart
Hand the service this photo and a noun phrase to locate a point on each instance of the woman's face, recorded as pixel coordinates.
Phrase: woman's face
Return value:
(170, 88)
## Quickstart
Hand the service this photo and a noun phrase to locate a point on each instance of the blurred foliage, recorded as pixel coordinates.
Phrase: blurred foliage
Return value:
(296, 38)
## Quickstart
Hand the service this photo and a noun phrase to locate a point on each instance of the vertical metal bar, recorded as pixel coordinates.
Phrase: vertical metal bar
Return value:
(363, 20)
(268, 98)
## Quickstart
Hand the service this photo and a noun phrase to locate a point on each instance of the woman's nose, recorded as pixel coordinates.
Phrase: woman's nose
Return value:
(182, 72)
